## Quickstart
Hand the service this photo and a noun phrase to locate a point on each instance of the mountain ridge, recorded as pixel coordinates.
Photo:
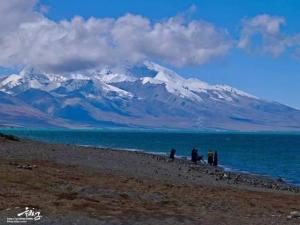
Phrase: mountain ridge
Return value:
(148, 96)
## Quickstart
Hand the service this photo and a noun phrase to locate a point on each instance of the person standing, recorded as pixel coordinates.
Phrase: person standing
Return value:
(194, 156)
(210, 157)
(172, 154)
(216, 159)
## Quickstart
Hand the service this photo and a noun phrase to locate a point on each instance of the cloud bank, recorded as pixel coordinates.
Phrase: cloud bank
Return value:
(31, 39)
(263, 33)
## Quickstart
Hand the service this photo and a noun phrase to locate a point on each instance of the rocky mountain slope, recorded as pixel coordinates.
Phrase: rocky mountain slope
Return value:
(148, 96)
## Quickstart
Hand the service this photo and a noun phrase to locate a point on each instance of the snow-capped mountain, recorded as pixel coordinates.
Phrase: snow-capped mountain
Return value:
(147, 96)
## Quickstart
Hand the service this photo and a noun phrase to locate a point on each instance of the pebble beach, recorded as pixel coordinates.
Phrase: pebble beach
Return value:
(85, 185)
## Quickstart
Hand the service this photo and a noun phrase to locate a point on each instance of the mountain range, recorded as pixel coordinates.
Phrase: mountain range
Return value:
(146, 96)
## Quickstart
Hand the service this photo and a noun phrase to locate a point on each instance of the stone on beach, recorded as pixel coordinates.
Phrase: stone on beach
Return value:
(294, 214)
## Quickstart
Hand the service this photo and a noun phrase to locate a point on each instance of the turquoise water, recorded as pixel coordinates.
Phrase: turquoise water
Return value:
(272, 154)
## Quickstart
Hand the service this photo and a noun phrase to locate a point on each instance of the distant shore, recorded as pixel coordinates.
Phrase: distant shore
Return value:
(105, 186)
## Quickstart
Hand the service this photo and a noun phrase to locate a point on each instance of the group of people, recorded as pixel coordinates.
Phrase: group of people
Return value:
(212, 157)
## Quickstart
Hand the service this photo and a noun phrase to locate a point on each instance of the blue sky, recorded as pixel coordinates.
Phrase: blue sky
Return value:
(264, 75)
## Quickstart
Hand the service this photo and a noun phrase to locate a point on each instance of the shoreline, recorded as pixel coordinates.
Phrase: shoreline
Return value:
(287, 173)
(105, 186)
(251, 180)
(187, 159)
(220, 168)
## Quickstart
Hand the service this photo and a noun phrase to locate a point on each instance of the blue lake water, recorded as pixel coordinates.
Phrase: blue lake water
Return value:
(272, 154)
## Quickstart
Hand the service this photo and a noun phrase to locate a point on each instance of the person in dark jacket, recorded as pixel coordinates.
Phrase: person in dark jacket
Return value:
(215, 159)
(194, 156)
(172, 154)
(210, 157)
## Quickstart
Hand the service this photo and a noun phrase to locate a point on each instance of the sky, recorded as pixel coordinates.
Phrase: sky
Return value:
(251, 45)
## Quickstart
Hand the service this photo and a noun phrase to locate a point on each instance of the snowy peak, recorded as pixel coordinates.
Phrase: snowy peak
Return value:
(111, 78)
(191, 87)
(29, 79)
(11, 80)
(148, 96)
(91, 88)
(105, 81)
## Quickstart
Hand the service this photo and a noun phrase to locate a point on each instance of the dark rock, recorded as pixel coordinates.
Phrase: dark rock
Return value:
(27, 167)
(295, 214)
(124, 195)
(9, 137)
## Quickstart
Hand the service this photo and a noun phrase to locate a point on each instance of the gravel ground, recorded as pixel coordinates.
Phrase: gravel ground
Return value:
(139, 164)
(81, 185)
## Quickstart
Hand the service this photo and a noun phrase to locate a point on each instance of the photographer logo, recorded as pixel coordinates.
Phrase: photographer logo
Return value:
(29, 214)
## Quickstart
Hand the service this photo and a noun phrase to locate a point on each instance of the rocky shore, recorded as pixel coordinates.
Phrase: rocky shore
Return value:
(84, 185)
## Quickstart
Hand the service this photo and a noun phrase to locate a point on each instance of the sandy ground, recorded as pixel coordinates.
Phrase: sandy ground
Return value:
(78, 185)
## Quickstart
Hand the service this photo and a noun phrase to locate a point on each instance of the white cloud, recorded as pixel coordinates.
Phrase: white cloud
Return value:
(263, 33)
(15, 12)
(32, 39)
